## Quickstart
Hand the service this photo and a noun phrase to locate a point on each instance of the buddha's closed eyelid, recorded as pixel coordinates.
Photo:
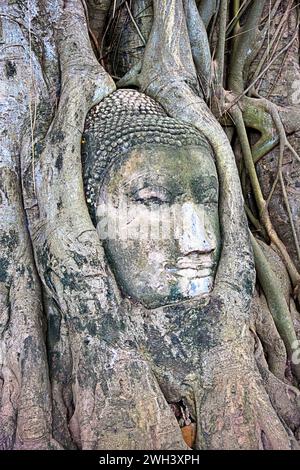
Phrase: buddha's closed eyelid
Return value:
(155, 194)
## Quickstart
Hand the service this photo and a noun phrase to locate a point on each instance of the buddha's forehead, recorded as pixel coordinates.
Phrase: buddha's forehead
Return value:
(160, 162)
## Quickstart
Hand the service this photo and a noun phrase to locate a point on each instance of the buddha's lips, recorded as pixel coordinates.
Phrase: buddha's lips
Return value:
(193, 273)
(191, 268)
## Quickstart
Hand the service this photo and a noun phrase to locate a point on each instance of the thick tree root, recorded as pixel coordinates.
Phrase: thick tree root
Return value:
(276, 302)
(284, 397)
(233, 409)
(273, 345)
(108, 384)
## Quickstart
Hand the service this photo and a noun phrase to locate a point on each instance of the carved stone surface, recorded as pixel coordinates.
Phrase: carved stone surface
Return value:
(153, 183)
(128, 119)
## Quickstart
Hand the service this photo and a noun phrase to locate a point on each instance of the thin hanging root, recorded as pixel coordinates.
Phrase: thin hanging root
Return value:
(272, 109)
(220, 52)
(276, 38)
(291, 148)
(260, 201)
(135, 24)
(238, 12)
(276, 302)
(255, 222)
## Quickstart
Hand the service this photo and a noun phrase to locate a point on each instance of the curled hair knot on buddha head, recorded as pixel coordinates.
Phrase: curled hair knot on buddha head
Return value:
(125, 120)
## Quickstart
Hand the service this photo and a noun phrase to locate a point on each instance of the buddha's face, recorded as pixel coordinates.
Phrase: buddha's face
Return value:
(158, 219)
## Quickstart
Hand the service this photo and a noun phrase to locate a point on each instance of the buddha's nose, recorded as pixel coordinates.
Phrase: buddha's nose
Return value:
(195, 235)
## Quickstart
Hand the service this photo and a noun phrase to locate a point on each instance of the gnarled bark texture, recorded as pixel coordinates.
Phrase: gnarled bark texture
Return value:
(80, 366)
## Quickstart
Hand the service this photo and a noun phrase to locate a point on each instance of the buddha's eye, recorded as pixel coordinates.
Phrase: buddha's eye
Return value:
(152, 195)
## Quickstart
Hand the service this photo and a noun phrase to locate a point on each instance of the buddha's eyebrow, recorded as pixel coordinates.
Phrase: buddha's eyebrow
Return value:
(143, 177)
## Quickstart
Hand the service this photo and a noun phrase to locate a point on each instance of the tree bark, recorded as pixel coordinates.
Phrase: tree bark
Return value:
(81, 367)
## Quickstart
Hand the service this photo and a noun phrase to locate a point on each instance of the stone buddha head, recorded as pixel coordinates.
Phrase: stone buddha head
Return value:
(152, 190)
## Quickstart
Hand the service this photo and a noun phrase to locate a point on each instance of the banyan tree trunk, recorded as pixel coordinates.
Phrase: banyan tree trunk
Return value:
(79, 366)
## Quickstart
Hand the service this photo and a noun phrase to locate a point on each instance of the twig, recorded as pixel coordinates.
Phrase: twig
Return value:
(135, 24)
(276, 37)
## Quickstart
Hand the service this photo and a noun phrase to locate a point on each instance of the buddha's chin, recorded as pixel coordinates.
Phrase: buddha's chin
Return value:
(195, 287)
(185, 289)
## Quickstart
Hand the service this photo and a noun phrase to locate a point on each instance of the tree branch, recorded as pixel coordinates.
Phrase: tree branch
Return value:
(199, 45)
(242, 45)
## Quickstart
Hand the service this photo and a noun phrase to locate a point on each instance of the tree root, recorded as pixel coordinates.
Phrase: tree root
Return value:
(199, 45)
(241, 46)
(263, 212)
(273, 346)
(233, 411)
(276, 303)
(101, 387)
(174, 87)
(284, 397)
(25, 397)
(207, 9)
